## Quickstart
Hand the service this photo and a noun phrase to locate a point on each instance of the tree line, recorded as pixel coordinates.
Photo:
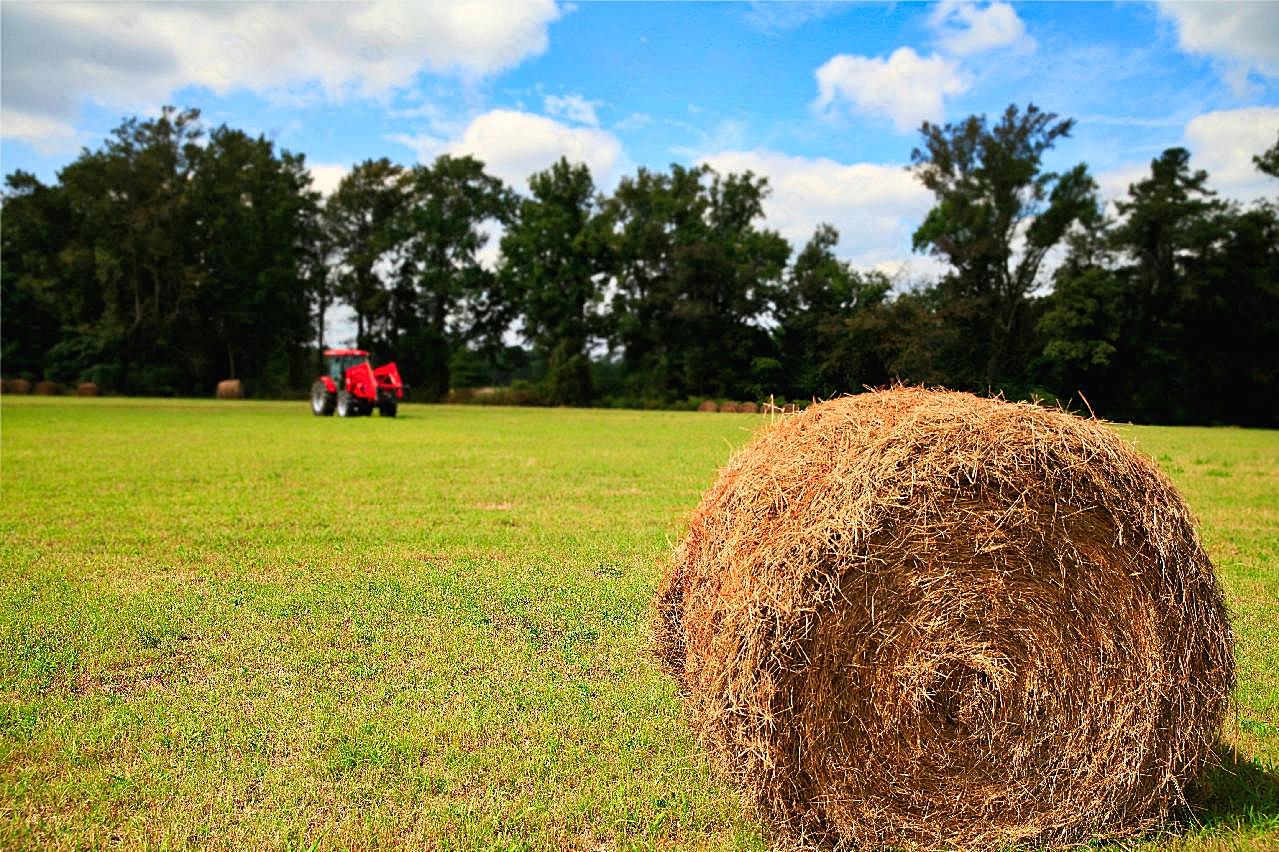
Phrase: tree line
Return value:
(171, 258)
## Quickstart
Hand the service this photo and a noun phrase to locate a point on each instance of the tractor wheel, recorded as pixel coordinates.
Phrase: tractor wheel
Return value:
(387, 407)
(348, 406)
(321, 400)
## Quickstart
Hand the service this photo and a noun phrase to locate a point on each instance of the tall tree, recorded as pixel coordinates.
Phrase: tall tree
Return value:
(453, 207)
(362, 218)
(131, 238)
(1167, 227)
(825, 342)
(555, 261)
(253, 216)
(40, 307)
(695, 274)
(998, 215)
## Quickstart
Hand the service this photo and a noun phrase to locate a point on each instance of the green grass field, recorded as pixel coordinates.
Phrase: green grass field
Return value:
(237, 625)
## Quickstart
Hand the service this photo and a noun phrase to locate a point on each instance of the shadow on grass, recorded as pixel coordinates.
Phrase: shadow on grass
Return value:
(1237, 793)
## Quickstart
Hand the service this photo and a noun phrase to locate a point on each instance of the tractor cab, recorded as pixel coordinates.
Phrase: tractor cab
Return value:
(352, 387)
(338, 361)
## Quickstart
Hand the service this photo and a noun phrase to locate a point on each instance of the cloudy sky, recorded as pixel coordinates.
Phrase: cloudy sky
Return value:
(824, 99)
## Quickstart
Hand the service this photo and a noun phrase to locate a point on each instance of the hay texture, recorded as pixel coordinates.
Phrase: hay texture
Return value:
(748, 408)
(708, 405)
(728, 407)
(230, 389)
(926, 619)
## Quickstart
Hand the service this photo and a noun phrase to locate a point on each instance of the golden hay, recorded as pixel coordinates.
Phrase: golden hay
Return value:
(87, 389)
(708, 405)
(230, 389)
(922, 618)
(728, 406)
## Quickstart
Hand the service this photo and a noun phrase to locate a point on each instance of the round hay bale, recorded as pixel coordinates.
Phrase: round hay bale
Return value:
(748, 408)
(19, 386)
(47, 388)
(708, 405)
(922, 618)
(87, 389)
(230, 389)
(728, 407)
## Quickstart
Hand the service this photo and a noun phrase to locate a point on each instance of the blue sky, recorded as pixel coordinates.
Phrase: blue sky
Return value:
(825, 99)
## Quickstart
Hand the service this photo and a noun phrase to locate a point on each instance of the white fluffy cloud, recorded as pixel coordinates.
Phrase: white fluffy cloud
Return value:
(906, 87)
(1222, 143)
(135, 55)
(966, 28)
(574, 108)
(875, 206)
(1244, 36)
(325, 177)
(514, 145)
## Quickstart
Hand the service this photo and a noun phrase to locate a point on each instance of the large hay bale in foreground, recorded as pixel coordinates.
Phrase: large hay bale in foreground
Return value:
(230, 389)
(922, 618)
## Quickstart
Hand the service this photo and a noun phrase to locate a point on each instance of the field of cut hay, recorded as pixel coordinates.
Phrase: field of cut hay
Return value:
(231, 624)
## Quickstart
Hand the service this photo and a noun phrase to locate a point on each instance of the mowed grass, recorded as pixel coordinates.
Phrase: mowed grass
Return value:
(237, 625)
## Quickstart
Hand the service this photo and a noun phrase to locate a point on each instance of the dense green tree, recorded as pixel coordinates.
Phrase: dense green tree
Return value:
(160, 263)
(1168, 313)
(555, 260)
(998, 215)
(362, 218)
(252, 226)
(450, 298)
(695, 274)
(129, 259)
(827, 343)
(1167, 226)
(33, 286)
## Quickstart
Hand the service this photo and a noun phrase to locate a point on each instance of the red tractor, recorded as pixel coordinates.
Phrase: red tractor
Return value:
(352, 387)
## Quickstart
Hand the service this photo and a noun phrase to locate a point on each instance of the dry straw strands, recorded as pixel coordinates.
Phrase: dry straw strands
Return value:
(925, 619)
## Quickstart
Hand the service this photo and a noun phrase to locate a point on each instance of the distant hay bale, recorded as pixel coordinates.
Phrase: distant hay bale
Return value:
(925, 619)
(47, 388)
(19, 386)
(728, 407)
(230, 389)
(87, 389)
(748, 408)
(708, 405)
